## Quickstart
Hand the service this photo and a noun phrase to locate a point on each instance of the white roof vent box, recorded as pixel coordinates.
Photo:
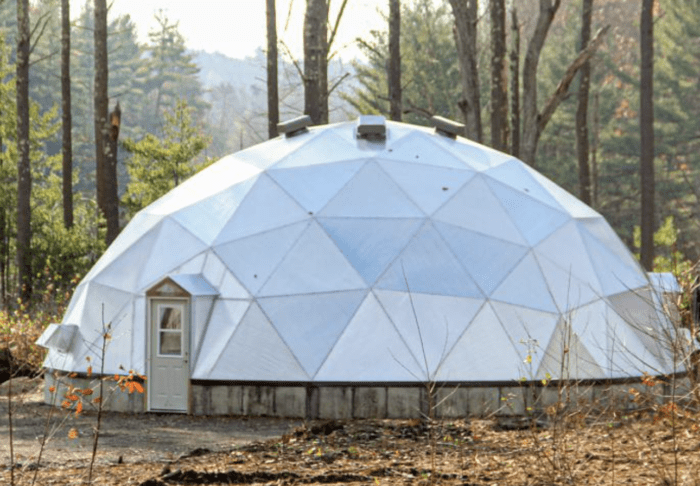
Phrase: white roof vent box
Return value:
(295, 126)
(447, 128)
(372, 128)
(59, 337)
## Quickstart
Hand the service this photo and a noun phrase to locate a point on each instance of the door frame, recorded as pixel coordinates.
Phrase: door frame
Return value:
(186, 303)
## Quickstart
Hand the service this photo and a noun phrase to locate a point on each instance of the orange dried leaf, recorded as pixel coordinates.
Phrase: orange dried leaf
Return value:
(66, 404)
(96, 400)
(72, 375)
(52, 389)
(138, 387)
(73, 398)
(72, 434)
(87, 392)
(89, 370)
(78, 408)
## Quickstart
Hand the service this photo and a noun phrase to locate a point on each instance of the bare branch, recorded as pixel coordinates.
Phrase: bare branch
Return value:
(337, 83)
(337, 23)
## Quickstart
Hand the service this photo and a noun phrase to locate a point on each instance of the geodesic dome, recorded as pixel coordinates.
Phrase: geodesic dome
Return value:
(327, 257)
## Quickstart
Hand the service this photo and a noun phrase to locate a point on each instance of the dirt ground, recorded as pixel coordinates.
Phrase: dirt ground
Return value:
(652, 447)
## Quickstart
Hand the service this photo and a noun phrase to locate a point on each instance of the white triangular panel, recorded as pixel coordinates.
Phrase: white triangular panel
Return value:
(515, 174)
(428, 186)
(253, 259)
(428, 266)
(568, 291)
(194, 265)
(371, 244)
(476, 156)
(311, 324)
(475, 208)
(256, 351)
(569, 203)
(600, 230)
(589, 323)
(526, 286)
(534, 219)
(266, 155)
(214, 269)
(370, 349)
(326, 181)
(420, 148)
(225, 317)
(630, 357)
(265, 207)
(484, 352)
(487, 260)
(313, 264)
(231, 288)
(371, 193)
(77, 304)
(327, 147)
(567, 358)
(436, 325)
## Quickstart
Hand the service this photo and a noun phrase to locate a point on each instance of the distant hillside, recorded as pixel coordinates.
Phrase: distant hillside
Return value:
(216, 68)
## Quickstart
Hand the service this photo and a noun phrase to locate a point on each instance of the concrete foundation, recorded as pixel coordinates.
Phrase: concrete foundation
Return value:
(316, 401)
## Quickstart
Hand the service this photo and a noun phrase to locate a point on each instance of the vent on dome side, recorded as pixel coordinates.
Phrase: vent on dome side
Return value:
(371, 127)
(294, 126)
(446, 127)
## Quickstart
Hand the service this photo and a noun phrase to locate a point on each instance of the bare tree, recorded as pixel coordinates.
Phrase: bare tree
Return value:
(582, 142)
(499, 82)
(646, 125)
(273, 108)
(106, 175)
(514, 84)
(465, 30)
(66, 117)
(316, 61)
(395, 105)
(24, 174)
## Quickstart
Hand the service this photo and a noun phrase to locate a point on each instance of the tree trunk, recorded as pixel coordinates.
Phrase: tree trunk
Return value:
(316, 61)
(24, 175)
(466, 14)
(111, 181)
(515, 85)
(273, 110)
(499, 82)
(66, 116)
(530, 136)
(582, 142)
(646, 124)
(395, 107)
(106, 160)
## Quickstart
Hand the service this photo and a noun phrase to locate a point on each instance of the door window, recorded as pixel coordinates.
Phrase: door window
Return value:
(170, 329)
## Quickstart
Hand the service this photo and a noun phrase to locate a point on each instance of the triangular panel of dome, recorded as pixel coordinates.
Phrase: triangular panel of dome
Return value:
(441, 319)
(484, 352)
(216, 178)
(194, 265)
(428, 186)
(312, 187)
(225, 317)
(172, 245)
(418, 147)
(589, 323)
(371, 194)
(614, 273)
(256, 352)
(568, 202)
(267, 154)
(475, 208)
(76, 304)
(530, 329)
(487, 260)
(370, 350)
(599, 229)
(515, 174)
(265, 207)
(568, 291)
(371, 244)
(477, 156)
(567, 358)
(534, 219)
(565, 248)
(325, 148)
(526, 286)
(630, 357)
(231, 288)
(206, 218)
(311, 324)
(428, 266)
(313, 264)
(213, 269)
(253, 259)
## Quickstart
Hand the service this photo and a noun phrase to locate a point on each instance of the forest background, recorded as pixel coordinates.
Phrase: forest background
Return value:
(181, 110)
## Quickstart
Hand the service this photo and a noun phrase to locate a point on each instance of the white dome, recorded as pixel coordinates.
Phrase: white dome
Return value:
(415, 258)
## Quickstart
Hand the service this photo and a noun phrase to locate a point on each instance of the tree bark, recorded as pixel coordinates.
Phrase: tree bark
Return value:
(515, 85)
(273, 109)
(465, 31)
(316, 61)
(499, 82)
(582, 142)
(24, 175)
(530, 135)
(646, 124)
(395, 105)
(105, 159)
(67, 122)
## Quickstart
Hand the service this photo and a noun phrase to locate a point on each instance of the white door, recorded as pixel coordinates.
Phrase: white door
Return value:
(168, 382)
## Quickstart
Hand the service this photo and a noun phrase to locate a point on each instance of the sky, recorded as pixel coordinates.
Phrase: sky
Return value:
(236, 28)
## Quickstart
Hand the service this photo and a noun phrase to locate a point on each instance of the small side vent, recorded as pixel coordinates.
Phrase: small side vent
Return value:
(446, 127)
(294, 126)
(371, 127)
